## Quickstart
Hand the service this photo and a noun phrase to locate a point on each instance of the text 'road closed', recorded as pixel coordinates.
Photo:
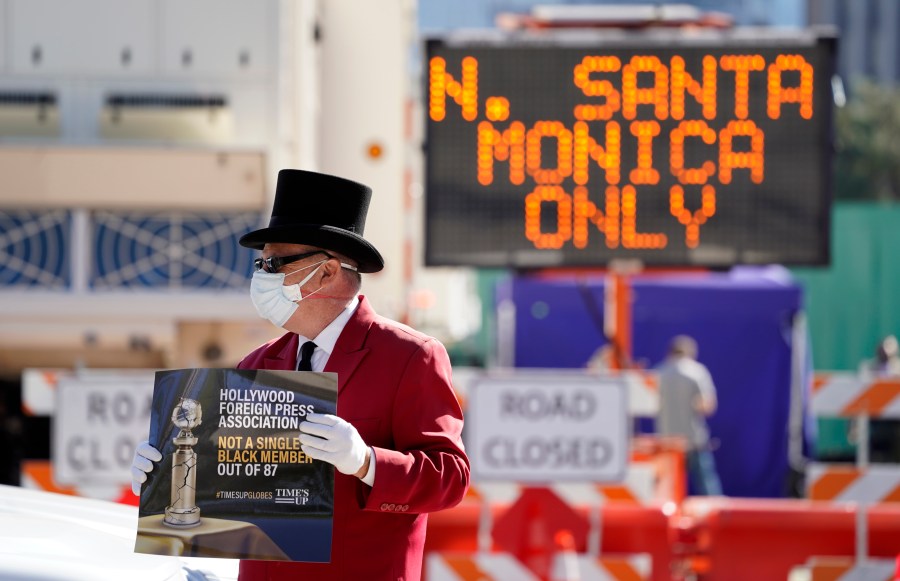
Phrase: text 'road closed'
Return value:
(539, 426)
(548, 453)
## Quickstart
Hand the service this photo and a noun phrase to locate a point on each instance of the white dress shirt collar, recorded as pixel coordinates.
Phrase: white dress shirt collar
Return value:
(326, 340)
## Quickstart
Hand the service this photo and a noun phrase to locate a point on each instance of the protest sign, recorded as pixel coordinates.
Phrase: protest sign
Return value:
(233, 481)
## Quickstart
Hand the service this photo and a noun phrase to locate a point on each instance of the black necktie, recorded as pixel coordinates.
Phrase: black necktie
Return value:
(306, 352)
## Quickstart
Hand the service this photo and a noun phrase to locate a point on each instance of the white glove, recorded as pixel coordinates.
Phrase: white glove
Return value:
(330, 439)
(144, 457)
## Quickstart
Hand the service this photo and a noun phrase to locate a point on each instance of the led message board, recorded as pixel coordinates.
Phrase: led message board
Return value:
(709, 148)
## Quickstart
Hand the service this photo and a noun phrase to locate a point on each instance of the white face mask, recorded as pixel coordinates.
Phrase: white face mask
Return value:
(273, 299)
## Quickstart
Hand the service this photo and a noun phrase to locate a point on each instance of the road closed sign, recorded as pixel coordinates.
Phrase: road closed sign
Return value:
(98, 423)
(548, 426)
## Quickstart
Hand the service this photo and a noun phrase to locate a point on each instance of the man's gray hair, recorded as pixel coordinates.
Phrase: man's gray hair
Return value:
(683, 345)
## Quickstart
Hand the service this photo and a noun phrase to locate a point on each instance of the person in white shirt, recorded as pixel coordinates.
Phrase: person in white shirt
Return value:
(884, 433)
(687, 396)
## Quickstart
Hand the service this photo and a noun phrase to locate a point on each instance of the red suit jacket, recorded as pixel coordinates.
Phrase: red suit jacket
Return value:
(394, 387)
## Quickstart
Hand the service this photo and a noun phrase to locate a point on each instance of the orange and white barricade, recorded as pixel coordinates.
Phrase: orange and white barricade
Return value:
(848, 395)
(614, 568)
(475, 567)
(638, 487)
(873, 484)
(38, 475)
(846, 569)
(643, 393)
(569, 566)
(505, 567)
(80, 402)
(39, 391)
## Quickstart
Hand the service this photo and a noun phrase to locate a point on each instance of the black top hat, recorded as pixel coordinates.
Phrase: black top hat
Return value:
(320, 210)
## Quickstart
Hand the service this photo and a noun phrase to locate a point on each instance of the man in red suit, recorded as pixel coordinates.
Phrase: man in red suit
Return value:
(397, 446)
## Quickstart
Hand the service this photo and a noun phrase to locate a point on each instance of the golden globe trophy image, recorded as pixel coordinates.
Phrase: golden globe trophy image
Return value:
(184, 512)
(242, 468)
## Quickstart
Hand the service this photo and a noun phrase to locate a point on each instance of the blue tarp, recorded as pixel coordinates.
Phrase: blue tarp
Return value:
(742, 321)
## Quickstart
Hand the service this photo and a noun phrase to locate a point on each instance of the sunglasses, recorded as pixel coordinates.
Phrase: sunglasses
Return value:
(274, 263)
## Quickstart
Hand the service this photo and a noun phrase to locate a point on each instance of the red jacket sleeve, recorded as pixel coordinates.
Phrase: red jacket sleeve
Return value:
(428, 469)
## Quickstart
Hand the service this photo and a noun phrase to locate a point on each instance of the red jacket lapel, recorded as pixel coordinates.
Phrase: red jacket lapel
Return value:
(284, 358)
(350, 348)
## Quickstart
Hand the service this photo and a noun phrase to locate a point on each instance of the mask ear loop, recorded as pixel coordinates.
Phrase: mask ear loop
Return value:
(303, 298)
(304, 268)
(343, 265)
(300, 284)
